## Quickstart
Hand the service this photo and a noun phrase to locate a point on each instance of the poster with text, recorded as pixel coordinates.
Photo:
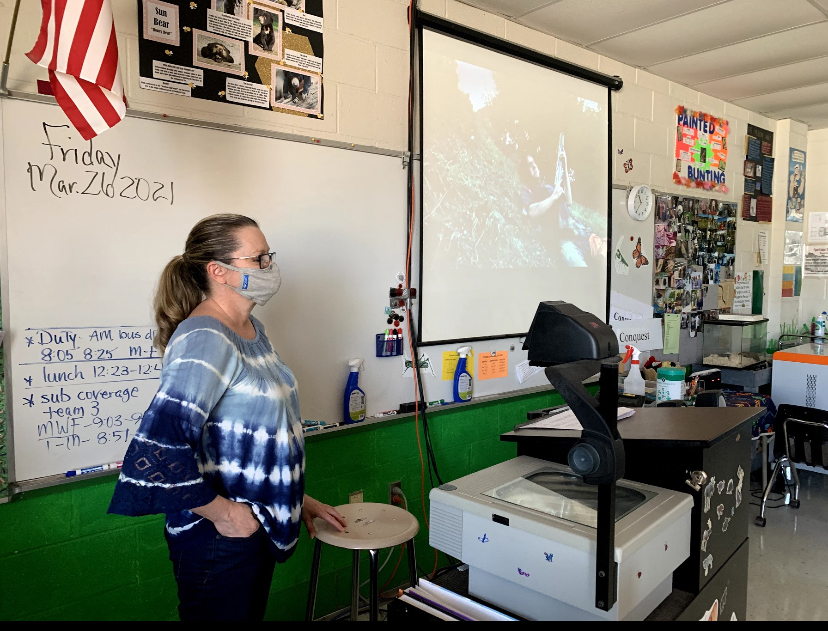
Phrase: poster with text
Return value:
(265, 54)
(816, 260)
(795, 210)
(701, 150)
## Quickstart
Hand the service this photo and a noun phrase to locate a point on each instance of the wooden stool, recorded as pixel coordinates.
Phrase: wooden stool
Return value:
(369, 527)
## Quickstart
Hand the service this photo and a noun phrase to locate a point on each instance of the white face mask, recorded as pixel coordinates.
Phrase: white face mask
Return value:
(258, 285)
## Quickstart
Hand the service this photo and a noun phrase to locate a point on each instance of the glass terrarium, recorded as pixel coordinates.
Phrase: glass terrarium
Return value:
(733, 342)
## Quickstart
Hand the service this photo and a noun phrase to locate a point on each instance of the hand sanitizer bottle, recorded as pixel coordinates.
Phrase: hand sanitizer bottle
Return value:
(462, 378)
(354, 410)
(819, 332)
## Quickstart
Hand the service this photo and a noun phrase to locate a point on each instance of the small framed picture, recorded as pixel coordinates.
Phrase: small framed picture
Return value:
(758, 170)
(267, 31)
(216, 52)
(750, 168)
(230, 7)
(296, 90)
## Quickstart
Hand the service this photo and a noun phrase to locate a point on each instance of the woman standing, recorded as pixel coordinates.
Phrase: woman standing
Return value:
(220, 449)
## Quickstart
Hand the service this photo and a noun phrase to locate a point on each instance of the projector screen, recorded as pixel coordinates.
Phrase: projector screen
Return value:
(515, 191)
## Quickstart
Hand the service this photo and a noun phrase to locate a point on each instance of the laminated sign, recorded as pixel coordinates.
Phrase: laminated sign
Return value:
(701, 150)
(265, 54)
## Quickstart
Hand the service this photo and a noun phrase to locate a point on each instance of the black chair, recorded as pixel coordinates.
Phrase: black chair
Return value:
(801, 436)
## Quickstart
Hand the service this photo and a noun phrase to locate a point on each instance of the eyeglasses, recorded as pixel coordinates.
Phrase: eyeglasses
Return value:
(265, 260)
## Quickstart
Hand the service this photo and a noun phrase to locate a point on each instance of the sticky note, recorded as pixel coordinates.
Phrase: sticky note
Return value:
(672, 327)
(450, 359)
(493, 365)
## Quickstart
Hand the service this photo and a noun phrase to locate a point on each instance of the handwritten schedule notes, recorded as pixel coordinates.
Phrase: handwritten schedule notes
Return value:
(84, 390)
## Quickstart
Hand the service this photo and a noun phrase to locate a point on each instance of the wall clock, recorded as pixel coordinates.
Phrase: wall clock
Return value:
(640, 203)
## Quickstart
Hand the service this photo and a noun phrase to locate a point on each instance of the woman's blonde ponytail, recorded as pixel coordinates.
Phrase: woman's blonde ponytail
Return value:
(175, 299)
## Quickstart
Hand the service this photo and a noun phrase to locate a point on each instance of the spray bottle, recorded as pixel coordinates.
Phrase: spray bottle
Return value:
(462, 378)
(634, 383)
(354, 410)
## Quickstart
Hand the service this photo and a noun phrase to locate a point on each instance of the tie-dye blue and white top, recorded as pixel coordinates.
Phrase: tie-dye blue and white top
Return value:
(225, 421)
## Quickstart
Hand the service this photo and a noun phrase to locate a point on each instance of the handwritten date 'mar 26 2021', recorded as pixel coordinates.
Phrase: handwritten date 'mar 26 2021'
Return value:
(99, 172)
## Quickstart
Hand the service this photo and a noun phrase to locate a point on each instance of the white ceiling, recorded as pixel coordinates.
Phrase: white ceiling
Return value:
(769, 56)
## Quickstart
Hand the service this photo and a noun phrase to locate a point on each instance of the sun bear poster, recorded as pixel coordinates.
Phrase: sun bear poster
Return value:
(266, 54)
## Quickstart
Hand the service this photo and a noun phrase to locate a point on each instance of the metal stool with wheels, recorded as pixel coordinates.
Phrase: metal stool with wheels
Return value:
(369, 527)
(805, 427)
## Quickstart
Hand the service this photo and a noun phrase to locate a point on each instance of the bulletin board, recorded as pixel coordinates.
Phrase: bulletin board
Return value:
(695, 240)
(701, 150)
(265, 54)
(759, 166)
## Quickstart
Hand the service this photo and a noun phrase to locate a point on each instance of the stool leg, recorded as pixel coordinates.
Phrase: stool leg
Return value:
(412, 564)
(355, 588)
(314, 581)
(374, 617)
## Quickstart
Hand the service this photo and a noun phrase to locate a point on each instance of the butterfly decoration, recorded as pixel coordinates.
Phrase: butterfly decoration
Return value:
(548, 556)
(522, 573)
(483, 539)
(638, 257)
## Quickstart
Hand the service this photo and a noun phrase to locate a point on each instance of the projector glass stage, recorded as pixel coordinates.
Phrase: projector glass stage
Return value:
(515, 191)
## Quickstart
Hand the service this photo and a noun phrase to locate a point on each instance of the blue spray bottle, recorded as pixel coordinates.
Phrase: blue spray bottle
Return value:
(354, 410)
(462, 378)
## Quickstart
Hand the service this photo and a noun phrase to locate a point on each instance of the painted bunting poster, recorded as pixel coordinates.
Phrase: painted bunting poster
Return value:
(701, 150)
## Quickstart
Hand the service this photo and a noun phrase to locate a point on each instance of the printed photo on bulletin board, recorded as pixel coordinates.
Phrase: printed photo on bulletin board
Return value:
(265, 54)
(701, 150)
(795, 210)
(695, 241)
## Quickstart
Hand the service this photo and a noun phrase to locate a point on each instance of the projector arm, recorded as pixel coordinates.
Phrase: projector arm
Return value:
(600, 431)
(598, 457)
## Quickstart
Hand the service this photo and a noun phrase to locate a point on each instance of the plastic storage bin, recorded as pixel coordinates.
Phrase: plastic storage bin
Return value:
(735, 343)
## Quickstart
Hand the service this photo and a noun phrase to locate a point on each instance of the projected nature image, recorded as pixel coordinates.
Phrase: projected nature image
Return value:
(515, 172)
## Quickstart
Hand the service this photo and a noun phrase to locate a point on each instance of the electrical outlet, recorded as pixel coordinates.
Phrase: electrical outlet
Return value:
(355, 497)
(391, 487)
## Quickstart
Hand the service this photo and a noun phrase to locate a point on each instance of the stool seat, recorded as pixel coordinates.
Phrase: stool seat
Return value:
(369, 527)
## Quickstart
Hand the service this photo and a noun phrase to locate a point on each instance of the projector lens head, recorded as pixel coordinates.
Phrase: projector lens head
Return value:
(584, 459)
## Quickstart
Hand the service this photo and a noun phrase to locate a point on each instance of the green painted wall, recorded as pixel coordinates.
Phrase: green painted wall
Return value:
(63, 558)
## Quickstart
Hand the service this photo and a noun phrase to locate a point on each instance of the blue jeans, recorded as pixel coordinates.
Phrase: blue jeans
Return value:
(224, 580)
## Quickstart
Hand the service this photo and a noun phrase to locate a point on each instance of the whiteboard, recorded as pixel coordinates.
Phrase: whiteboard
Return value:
(627, 279)
(85, 245)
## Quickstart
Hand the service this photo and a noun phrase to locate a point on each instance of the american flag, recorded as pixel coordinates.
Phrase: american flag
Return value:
(77, 45)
